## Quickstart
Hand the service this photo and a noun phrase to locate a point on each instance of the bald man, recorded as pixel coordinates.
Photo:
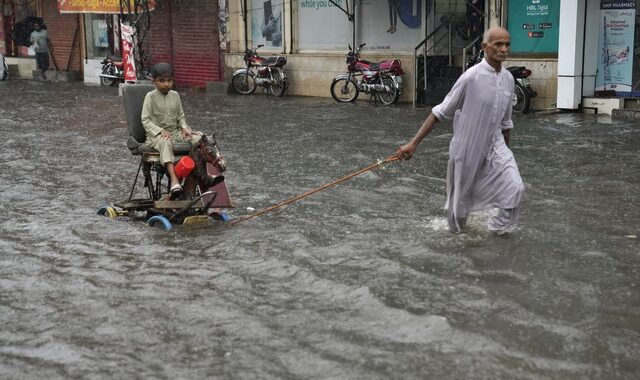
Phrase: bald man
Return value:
(482, 172)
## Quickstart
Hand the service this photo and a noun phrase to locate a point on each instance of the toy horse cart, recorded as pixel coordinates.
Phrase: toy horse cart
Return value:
(205, 192)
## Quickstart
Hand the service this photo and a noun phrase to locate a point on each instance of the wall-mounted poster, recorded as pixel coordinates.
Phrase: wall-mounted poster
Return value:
(615, 45)
(387, 25)
(533, 25)
(266, 22)
(323, 26)
(393, 25)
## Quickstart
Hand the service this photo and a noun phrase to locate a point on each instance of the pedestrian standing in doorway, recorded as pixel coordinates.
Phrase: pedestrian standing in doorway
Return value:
(41, 44)
(482, 172)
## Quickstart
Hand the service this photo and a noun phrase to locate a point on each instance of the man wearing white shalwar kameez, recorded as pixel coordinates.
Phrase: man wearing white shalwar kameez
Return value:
(482, 172)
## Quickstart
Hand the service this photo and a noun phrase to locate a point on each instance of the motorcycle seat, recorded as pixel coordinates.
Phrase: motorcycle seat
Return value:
(275, 61)
(372, 65)
(133, 97)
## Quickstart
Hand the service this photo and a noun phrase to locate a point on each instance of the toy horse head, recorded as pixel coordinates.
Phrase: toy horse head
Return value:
(208, 149)
(203, 153)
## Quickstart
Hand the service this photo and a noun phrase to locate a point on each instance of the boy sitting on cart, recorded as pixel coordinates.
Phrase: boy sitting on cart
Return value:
(164, 121)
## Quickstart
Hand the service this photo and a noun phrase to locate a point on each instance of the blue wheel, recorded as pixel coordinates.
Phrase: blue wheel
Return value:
(159, 220)
(222, 216)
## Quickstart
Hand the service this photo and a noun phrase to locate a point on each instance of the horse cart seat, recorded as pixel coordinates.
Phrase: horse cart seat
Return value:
(133, 96)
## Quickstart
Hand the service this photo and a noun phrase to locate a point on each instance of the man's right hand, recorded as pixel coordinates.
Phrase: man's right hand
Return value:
(406, 151)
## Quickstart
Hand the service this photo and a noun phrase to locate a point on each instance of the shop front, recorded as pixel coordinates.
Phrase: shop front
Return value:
(63, 30)
(598, 67)
(316, 34)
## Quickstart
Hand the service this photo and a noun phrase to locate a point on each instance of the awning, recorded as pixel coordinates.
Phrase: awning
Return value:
(98, 6)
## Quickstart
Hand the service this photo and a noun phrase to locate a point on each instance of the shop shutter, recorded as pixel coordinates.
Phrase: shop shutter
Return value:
(62, 30)
(185, 34)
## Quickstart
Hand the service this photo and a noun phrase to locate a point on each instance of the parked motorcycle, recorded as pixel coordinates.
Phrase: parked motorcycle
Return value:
(383, 80)
(260, 71)
(522, 92)
(113, 71)
(4, 68)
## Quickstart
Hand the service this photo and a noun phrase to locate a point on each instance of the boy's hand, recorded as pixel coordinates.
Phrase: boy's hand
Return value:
(165, 135)
(186, 133)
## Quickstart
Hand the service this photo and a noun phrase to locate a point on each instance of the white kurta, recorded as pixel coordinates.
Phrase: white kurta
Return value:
(482, 172)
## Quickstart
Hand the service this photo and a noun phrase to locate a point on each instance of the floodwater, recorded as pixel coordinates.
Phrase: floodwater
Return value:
(361, 281)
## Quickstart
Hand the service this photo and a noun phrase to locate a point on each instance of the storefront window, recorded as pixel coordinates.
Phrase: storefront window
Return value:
(98, 30)
(16, 21)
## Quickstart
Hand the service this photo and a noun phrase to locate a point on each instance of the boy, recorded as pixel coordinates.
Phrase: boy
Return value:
(164, 121)
(40, 41)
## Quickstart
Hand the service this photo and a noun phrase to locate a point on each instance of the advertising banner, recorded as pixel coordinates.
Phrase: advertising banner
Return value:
(392, 25)
(326, 27)
(128, 53)
(98, 6)
(533, 25)
(615, 45)
(384, 25)
(266, 22)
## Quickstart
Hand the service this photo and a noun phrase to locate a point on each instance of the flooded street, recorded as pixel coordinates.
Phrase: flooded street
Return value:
(361, 281)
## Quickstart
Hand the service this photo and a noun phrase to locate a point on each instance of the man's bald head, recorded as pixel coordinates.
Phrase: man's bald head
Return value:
(496, 44)
(493, 32)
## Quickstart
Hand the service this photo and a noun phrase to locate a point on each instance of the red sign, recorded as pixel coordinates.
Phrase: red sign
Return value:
(127, 53)
(97, 6)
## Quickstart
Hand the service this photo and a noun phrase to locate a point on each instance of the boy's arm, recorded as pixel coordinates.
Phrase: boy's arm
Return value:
(147, 121)
(181, 120)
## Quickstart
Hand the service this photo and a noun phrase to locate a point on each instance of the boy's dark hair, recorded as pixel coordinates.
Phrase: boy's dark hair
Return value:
(160, 69)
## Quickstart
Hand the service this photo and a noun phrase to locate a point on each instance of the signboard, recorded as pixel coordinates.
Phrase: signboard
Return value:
(98, 6)
(615, 45)
(533, 25)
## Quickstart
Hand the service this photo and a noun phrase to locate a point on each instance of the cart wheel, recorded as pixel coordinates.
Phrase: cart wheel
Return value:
(221, 216)
(108, 211)
(161, 221)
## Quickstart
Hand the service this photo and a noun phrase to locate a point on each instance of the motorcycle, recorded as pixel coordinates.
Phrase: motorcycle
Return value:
(113, 71)
(4, 68)
(382, 80)
(260, 71)
(522, 92)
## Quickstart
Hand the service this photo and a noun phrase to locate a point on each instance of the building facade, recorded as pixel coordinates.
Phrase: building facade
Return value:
(183, 33)
(315, 35)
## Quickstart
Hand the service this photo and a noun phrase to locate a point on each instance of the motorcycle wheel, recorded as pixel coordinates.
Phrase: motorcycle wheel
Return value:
(146, 74)
(344, 91)
(391, 96)
(244, 83)
(108, 70)
(279, 84)
(521, 101)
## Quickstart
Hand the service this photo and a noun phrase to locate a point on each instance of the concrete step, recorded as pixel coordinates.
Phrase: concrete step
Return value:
(58, 76)
(625, 114)
(632, 103)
